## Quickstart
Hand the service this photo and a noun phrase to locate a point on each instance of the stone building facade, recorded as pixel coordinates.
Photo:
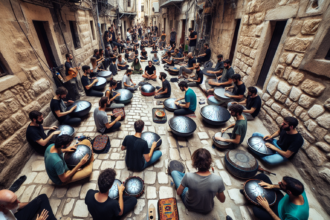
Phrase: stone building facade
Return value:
(29, 83)
(281, 47)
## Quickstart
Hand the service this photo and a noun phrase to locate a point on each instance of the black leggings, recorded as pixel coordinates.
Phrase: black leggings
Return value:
(129, 204)
(113, 128)
(161, 96)
(260, 212)
(92, 92)
(69, 120)
(35, 207)
(183, 111)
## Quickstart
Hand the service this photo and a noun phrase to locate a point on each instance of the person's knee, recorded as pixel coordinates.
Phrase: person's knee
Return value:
(175, 173)
(133, 200)
(43, 197)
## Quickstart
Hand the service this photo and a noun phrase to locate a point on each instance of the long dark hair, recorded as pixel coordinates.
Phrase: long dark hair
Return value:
(105, 36)
(134, 62)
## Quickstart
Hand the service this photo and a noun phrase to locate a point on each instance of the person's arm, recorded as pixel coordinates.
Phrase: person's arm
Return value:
(286, 154)
(154, 73)
(147, 157)
(193, 67)
(22, 205)
(179, 99)
(250, 111)
(234, 96)
(91, 85)
(221, 197)
(184, 105)
(241, 103)
(43, 142)
(277, 133)
(264, 203)
(61, 114)
(163, 92)
(109, 125)
(121, 189)
(66, 176)
(202, 55)
(229, 87)
(179, 191)
(195, 37)
(235, 141)
(215, 72)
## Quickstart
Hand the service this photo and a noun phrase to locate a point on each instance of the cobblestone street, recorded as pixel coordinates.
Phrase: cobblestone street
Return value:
(68, 201)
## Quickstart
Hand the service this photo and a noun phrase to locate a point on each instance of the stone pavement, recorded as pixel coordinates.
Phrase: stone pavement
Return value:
(68, 201)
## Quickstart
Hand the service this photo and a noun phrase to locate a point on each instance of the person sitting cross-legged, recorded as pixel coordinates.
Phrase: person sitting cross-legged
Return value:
(138, 154)
(154, 48)
(218, 69)
(190, 98)
(112, 95)
(121, 63)
(101, 118)
(189, 68)
(128, 82)
(196, 80)
(165, 90)
(205, 56)
(129, 57)
(12, 209)
(100, 206)
(238, 90)
(144, 55)
(252, 102)
(85, 81)
(35, 133)
(197, 190)
(56, 167)
(294, 205)
(155, 59)
(225, 78)
(169, 60)
(287, 146)
(137, 69)
(240, 126)
(150, 72)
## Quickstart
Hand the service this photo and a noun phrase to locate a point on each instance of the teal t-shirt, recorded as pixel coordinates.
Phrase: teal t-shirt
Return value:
(190, 97)
(240, 128)
(55, 165)
(289, 211)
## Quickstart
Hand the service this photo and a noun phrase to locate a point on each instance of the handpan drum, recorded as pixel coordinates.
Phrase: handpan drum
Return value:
(257, 145)
(134, 186)
(241, 164)
(212, 101)
(219, 93)
(105, 74)
(147, 90)
(173, 71)
(83, 108)
(170, 106)
(125, 96)
(221, 144)
(176, 165)
(101, 83)
(151, 137)
(73, 158)
(182, 126)
(252, 190)
(215, 115)
(113, 192)
(65, 129)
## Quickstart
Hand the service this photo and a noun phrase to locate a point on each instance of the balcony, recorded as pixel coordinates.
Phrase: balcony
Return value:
(167, 3)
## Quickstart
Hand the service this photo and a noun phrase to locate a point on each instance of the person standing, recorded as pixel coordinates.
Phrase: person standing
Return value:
(71, 83)
(165, 90)
(192, 40)
(190, 98)
(172, 37)
(88, 86)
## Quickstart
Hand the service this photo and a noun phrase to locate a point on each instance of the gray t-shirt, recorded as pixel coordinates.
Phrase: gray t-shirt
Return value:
(100, 118)
(227, 75)
(127, 80)
(201, 191)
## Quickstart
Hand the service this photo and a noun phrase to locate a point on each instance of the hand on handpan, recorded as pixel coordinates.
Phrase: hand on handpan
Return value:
(227, 88)
(53, 128)
(73, 108)
(263, 202)
(43, 215)
(266, 185)
(154, 144)
(267, 137)
(57, 132)
(96, 80)
(177, 103)
(118, 118)
(227, 94)
(220, 138)
(84, 160)
(270, 146)
(223, 130)
(121, 188)
(70, 101)
(71, 148)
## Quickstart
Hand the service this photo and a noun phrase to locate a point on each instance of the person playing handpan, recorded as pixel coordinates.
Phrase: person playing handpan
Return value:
(56, 167)
(150, 72)
(252, 102)
(100, 206)
(165, 90)
(12, 209)
(85, 81)
(128, 82)
(59, 108)
(112, 95)
(238, 90)
(35, 133)
(202, 58)
(287, 146)
(225, 79)
(138, 154)
(196, 80)
(101, 118)
(240, 126)
(189, 69)
(294, 205)
(197, 190)
(218, 69)
(190, 98)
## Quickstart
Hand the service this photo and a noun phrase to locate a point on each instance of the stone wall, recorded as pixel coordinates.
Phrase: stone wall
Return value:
(289, 90)
(29, 85)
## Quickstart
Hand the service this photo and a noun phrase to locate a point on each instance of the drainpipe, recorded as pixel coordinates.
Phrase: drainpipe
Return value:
(98, 25)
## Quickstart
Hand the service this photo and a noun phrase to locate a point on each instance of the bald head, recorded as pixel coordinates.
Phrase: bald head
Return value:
(8, 200)
(190, 54)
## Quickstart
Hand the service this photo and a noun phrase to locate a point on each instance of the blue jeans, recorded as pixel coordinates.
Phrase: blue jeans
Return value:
(274, 159)
(155, 156)
(177, 178)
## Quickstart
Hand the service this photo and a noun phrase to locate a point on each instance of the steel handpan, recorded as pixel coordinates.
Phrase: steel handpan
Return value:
(101, 83)
(170, 106)
(177, 166)
(113, 192)
(65, 129)
(215, 115)
(257, 145)
(252, 190)
(219, 93)
(125, 96)
(73, 158)
(221, 144)
(173, 70)
(212, 101)
(241, 164)
(151, 137)
(134, 186)
(182, 126)
(105, 74)
(147, 90)
(83, 108)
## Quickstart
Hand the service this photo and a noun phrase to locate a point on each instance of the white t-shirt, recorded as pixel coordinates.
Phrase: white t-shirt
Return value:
(9, 216)
(127, 80)
(122, 61)
(129, 36)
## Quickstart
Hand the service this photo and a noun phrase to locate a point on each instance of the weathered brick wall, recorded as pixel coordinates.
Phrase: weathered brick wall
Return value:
(291, 91)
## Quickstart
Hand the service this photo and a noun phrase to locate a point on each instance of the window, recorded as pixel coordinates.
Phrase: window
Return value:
(74, 33)
(92, 30)
(128, 3)
(142, 8)
(3, 70)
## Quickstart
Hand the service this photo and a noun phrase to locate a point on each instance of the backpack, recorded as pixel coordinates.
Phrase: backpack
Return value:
(101, 144)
